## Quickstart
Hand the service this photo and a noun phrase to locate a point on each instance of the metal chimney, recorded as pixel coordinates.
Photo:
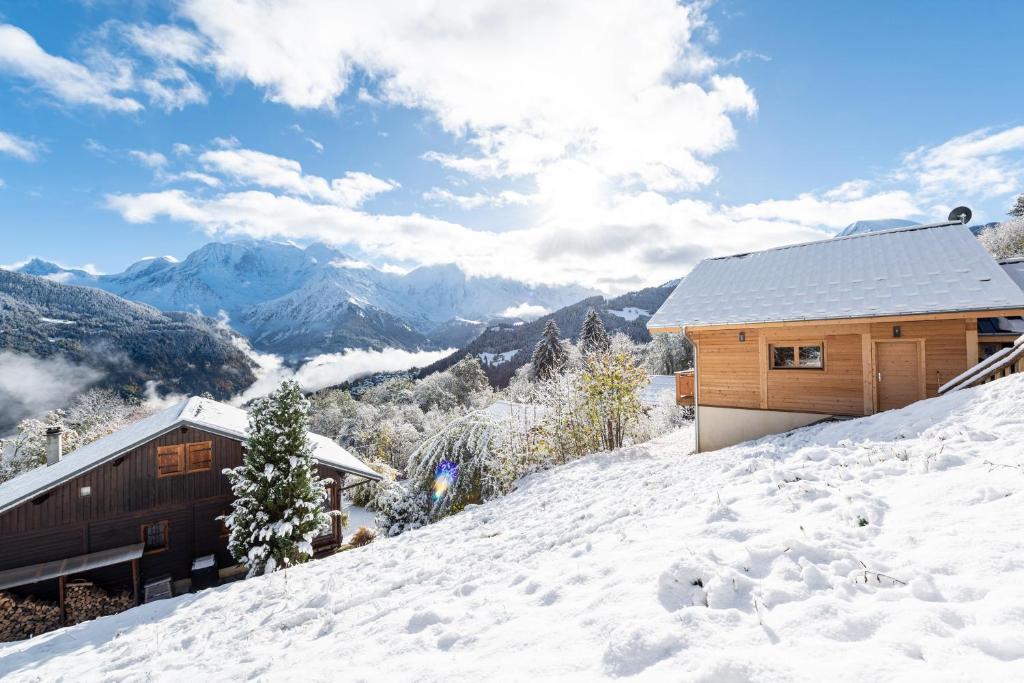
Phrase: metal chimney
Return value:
(54, 445)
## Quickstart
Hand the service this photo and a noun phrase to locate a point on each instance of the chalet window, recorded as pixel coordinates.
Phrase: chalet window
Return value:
(183, 457)
(810, 356)
(170, 460)
(154, 537)
(200, 456)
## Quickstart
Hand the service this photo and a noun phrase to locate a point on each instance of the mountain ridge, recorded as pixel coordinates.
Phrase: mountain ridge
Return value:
(301, 301)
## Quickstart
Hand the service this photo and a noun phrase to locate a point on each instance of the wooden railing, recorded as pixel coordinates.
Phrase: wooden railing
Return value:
(1000, 364)
(684, 388)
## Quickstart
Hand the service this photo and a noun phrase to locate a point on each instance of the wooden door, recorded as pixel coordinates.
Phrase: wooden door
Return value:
(899, 375)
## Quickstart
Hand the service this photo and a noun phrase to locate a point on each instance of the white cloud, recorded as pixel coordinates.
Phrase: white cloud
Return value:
(526, 311)
(316, 143)
(250, 167)
(597, 81)
(2, 183)
(982, 164)
(66, 80)
(154, 160)
(333, 368)
(438, 195)
(17, 147)
(181, 149)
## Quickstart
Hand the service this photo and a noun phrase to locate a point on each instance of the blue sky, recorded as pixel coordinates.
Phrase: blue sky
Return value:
(607, 143)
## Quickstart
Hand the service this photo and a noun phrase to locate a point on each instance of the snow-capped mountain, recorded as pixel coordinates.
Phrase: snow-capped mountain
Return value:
(300, 301)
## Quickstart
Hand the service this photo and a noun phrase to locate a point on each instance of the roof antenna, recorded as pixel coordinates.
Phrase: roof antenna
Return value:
(961, 215)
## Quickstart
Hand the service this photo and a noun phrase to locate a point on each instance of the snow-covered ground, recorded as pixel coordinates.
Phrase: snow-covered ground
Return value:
(357, 516)
(630, 313)
(497, 358)
(886, 548)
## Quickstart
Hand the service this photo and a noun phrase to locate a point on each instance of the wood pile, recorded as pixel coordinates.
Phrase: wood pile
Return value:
(26, 617)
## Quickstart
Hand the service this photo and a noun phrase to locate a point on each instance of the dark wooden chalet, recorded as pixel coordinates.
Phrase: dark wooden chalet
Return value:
(141, 503)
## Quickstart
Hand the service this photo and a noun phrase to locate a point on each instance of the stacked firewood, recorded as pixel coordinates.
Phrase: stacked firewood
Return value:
(85, 601)
(26, 617)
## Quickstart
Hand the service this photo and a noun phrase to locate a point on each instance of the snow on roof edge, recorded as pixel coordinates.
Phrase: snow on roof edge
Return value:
(35, 482)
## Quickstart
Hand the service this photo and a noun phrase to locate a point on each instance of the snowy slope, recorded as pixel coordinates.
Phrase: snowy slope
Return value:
(753, 563)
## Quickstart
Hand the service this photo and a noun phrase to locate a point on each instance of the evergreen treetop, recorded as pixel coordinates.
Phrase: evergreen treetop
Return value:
(1018, 208)
(593, 336)
(550, 355)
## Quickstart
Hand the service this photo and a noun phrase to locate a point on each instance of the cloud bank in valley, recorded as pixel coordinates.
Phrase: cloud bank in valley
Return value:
(30, 386)
(330, 369)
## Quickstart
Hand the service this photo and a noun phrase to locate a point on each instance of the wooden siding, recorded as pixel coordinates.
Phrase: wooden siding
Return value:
(125, 494)
(836, 389)
(736, 374)
(728, 373)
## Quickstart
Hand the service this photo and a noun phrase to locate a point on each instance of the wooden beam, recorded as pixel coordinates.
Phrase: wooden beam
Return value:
(867, 372)
(762, 367)
(972, 342)
(135, 581)
(922, 365)
(62, 586)
(951, 315)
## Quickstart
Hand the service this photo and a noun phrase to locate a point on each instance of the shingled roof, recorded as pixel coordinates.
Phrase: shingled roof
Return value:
(196, 412)
(904, 271)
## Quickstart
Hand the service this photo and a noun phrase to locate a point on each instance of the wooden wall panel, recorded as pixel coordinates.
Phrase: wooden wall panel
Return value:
(837, 390)
(128, 484)
(728, 374)
(734, 374)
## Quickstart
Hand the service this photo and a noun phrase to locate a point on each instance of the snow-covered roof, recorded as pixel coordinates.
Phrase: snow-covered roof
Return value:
(904, 271)
(656, 389)
(197, 412)
(1014, 267)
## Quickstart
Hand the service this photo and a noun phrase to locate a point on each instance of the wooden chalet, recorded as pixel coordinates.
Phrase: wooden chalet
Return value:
(838, 328)
(141, 504)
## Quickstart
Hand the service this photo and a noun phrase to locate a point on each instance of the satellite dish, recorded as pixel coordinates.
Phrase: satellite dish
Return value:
(961, 214)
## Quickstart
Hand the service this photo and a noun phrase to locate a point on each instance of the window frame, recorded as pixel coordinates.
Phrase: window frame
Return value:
(796, 346)
(166, 532)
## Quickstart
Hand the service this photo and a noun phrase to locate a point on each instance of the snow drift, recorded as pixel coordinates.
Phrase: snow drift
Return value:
(885, 548)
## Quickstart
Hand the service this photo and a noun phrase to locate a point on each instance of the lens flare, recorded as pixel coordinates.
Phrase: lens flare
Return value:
(445, 477)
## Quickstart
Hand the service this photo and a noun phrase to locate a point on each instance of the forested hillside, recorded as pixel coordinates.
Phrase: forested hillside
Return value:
(503, 348)
(126, 342)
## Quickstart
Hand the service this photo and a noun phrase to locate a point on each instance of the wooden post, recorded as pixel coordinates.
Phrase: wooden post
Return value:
(62, 585)
(867, 372)
(135, 581)
(762, 369)
(972, 342)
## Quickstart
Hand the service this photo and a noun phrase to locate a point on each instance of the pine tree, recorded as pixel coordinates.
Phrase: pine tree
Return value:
(550, 355)
(593, 337)
(1018, 209)
(278, 507)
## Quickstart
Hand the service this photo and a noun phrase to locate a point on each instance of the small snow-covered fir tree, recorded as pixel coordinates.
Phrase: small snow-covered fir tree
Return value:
(593, 337)
(278, 508)
(550, 355)
(1018, 208)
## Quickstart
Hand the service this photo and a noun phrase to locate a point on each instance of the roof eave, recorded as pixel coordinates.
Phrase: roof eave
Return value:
(183, 422)
(954, 313)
